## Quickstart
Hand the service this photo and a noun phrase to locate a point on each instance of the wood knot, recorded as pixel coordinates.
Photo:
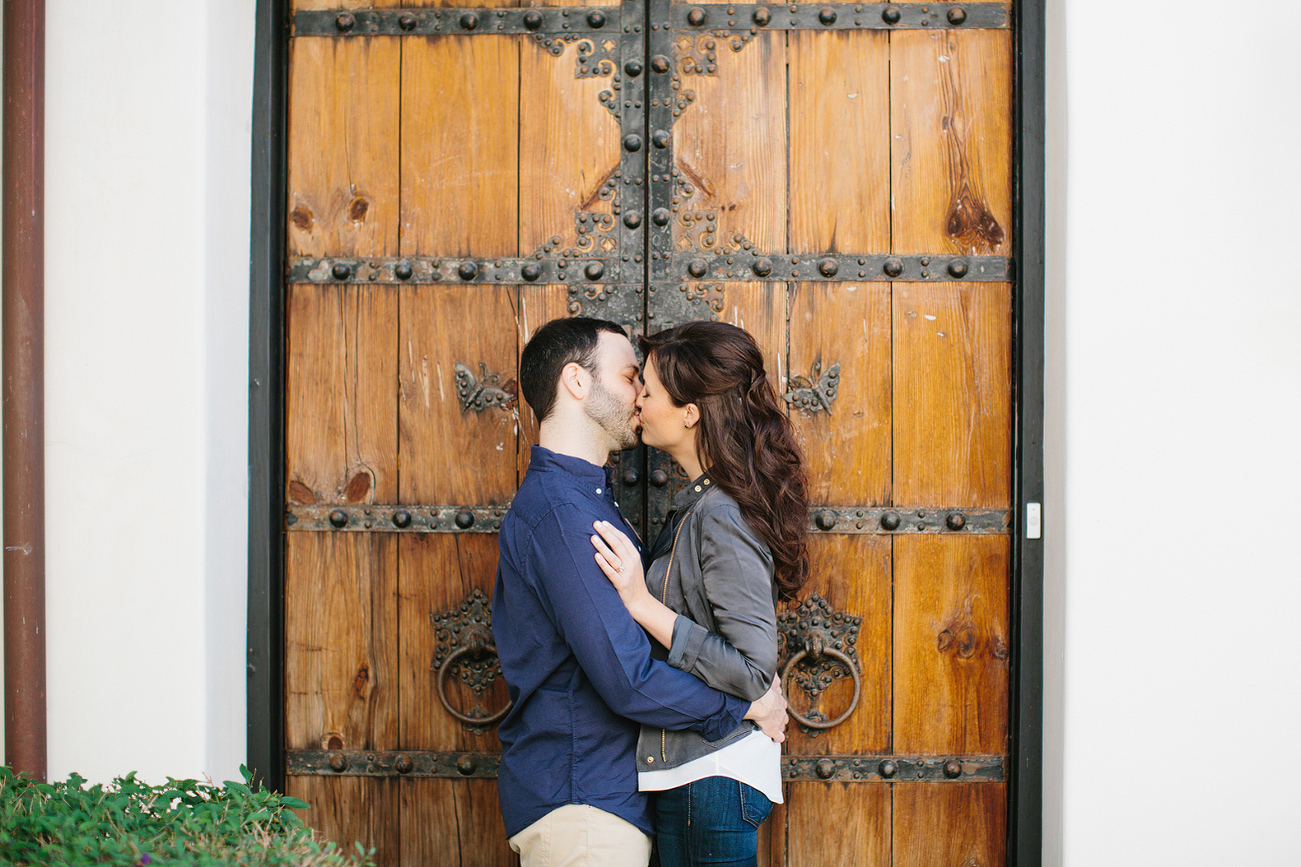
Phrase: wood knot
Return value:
(302, 218)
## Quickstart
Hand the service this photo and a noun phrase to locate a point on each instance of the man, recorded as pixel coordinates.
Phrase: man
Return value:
(579, 669)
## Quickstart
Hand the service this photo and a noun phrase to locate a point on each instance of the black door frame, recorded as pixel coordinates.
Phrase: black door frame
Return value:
(266, 700)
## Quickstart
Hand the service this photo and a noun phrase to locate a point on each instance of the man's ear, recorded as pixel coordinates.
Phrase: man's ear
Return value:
(576, 379)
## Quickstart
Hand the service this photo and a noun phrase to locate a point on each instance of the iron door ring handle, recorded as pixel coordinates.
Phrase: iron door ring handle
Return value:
(442, 675)
(853, 671)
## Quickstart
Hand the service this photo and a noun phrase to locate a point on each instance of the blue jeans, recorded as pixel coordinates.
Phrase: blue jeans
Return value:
(714, 821)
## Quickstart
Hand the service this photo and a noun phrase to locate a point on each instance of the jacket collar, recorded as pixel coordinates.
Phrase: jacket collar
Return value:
(691, 494)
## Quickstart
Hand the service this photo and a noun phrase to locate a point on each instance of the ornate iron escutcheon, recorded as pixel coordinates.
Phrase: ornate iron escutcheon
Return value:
(465, 651)
(823, 639)
(818, 392)
(487, 390)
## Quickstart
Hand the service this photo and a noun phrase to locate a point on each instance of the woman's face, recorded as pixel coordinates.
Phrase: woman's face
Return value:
(663, 424)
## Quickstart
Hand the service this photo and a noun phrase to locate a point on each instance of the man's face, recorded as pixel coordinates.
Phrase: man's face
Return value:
(613, 401)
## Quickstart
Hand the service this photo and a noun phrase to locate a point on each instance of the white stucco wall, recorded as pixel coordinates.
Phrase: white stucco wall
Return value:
(1173, 369)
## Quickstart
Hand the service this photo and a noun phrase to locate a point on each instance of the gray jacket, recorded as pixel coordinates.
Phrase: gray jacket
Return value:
(721, 584)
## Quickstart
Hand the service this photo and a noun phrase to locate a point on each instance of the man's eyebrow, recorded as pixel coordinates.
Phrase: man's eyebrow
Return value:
(632, 367)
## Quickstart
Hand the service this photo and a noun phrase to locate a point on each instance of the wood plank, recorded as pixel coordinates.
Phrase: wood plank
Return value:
(437, 572)
(951, 117)
(759, 308)
(460, 159)
(839, 142)
(852, 573)
(340, 398)
(453, 823)
(952, 394)
(450, 455)
(352, 809)
(298, 5)
(566, 167)
(341, 652)
(837, 823)
(730, 145)
(951, 644)
(343, 146)
(848, 451)
(950, 825)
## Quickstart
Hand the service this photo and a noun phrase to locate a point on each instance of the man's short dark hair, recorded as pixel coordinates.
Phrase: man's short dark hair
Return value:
(554, 345)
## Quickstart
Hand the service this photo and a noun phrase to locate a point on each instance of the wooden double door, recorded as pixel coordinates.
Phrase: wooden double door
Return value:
(837, 179)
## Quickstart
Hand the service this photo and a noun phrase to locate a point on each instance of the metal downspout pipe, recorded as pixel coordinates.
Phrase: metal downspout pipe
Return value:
(24, 386)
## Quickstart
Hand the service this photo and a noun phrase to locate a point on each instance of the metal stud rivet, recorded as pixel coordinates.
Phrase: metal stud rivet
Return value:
(341, 270)
(762, 267)
(594, 270)
(596, 19)
(827, 15)
(660, 63)
(467, 270)
(660, 216)
(339, 518)
(633, 68)
(403, 270)
(631, 477)
(890, 15)
(825, 769)
(828, 267)
(344, 21)
(403, 764)
(957, 15)
(465, 519)
(698, 268)
(955, 521)
(892, 267)
(469, 21)
(402, 518)
(761, 16)
(632, 219)
(887, 769)
(531, 271)
(890, 521)
(696, 17)
(338, 763)
(958, 268)
(661, 138)
(952, 769)
(659, 478)
(826, 519)
(466, 765)
(533, 20)
(407, 21)
(632, 142)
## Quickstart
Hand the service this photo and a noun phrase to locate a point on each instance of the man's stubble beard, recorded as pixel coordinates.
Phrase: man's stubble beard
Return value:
(613, 418)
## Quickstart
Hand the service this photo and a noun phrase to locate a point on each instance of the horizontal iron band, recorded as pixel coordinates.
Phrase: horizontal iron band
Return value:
(839, 16)
(749, 266)
(417, 269)
(795, 769)
(579, 20)
(487, 519)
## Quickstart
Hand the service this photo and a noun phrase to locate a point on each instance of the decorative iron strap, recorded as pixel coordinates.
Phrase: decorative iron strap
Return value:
(839, 16)
(416, 269)
(750, 265)
(427, 22)
(487, 519)
(795, 769)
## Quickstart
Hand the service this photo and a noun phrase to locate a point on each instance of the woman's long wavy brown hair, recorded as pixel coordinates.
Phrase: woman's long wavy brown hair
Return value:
(746, 441)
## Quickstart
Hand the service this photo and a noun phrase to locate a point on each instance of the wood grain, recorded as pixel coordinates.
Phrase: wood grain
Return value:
(852, 573)
(343, 146)
(460, 141)
(838, 824)
(951, 121)
(453, 823)
(297, 5)
(950, 825)
(352, 809)
(340, 394)
(730, 144)
(437, 572)
(848, 451)
(952, 394)
(450, 455)
(759, 308)
(341, 643)
(951, 644)
(839, 142)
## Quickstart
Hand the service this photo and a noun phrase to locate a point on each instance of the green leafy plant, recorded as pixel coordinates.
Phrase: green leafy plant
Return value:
(182, 822)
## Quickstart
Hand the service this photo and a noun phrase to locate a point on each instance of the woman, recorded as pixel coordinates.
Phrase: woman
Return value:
(735, 543)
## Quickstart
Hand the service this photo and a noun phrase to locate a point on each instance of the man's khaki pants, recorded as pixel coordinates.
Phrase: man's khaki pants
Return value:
(577, 835)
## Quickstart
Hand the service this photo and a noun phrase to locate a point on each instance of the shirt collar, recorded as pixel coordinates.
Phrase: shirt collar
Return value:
(587, 473)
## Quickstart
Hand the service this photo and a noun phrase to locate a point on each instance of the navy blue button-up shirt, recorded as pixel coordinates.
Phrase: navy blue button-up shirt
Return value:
(578, 667)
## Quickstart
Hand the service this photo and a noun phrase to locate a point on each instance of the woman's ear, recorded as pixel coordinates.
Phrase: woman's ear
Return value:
(690, 415)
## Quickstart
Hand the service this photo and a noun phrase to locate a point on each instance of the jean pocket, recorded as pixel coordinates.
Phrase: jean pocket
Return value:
(755, 806)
